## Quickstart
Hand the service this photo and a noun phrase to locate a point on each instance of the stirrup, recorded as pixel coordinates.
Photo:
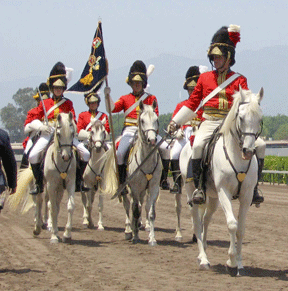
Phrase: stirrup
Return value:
(257, 198)
(36, 190)
(199, 197)
(176, 189)
(165, 185)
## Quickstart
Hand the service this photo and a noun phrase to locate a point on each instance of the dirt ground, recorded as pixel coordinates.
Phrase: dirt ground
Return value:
(103, 260)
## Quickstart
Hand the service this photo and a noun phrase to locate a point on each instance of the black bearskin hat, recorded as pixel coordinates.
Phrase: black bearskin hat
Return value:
(58, 76)
(137, 73)
(92, 97)
(44, 90)
(192, 77)
(224, 42)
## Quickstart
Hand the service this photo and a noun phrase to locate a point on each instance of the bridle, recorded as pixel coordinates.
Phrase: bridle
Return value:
(144, 133)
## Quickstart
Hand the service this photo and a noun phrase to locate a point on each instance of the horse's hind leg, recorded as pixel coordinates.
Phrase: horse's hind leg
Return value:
(38, 209)
(178, 207)
(70, 208)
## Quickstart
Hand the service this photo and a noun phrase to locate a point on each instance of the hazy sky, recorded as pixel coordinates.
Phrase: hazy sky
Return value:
(34, 35)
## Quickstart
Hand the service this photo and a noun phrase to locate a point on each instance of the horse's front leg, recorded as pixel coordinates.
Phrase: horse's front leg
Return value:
(204, 264)
(87, 200)
(70, 209)
(136, 212)
(178, 206)
(100, 210)
(126, 205)
(153, 195)
(46, 210)
(38, 199)
(224, 198)
(242, 214)
(54, 209)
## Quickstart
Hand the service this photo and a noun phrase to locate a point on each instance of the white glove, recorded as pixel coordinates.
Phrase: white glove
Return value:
(83, 134)
(172, 127)
(32, 126)
(45, 129)
(179, 134)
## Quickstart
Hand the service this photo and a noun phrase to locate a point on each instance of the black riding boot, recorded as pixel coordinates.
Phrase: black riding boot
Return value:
(79, 187)
(198, 194)
(163, 182)
(122, 177)
(176, 177)
(257, 198)
(38, 174)
(24, 162)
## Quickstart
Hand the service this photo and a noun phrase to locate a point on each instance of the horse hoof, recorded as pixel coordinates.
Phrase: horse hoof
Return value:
(179, 238)
(147, 228)
(135, 240)
(66, 240)
(204, 266)
(44, 226)
(37, 231)
(233, 271)
(54, 240)
(128, 235)
(152, 243)
(194, 238)
(100, 227)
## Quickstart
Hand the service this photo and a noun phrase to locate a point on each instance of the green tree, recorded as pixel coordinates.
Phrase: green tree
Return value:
(282, 132)
(13, 117)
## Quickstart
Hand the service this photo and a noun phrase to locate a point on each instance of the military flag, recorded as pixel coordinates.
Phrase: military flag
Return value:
(96, 68)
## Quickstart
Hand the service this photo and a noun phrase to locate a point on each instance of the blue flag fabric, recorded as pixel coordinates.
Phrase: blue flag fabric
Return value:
(95, 70)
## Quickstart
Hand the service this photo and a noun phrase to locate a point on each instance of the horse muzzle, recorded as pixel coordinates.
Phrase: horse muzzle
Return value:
(247, 154)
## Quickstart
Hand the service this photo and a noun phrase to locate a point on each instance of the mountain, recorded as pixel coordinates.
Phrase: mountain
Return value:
(263, 68)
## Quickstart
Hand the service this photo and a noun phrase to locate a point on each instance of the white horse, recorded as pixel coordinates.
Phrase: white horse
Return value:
(94, 172)
(232, 174)
(60, 173)
(146, 181)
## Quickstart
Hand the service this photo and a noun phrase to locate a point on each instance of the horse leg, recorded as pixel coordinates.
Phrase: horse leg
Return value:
(100, 210)
(243, 209)
(147, 223)
(70, 209)
(54, 216)
(136, 212)
(126, 205)
(46, 210)
(204, 264)
(153, 195)
(178, 207)
(38, 199)
(85, 211)
(231, 264)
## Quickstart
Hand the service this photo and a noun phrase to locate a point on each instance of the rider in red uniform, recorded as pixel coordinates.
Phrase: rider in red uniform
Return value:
(222, 56)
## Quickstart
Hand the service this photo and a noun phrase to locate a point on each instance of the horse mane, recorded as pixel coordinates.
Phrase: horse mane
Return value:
(253, 108)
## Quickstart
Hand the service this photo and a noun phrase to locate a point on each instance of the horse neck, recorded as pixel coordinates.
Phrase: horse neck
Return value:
(95, 156)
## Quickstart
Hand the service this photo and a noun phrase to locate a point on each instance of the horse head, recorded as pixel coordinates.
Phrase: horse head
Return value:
(64, 134)
(97, 134)
(249, 121)
(148, 123)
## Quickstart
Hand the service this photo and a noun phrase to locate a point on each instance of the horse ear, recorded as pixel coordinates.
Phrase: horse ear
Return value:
(260, 95)
(242, 95)
(154, 105)
(59, 118)
(141, 105)
(70, 116)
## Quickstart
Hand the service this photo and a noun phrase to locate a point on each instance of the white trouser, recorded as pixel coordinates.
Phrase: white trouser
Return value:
(127, 138)
(28, 145)
(206, 130)
(34, 156)
(180, 143)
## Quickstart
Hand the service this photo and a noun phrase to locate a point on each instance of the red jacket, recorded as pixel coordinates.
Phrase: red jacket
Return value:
(124, 102)
(85, 117)
(66, 107)
(222, 102)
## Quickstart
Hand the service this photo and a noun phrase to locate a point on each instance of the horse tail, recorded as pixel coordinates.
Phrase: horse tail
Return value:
(109, 183)
(22, 196)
